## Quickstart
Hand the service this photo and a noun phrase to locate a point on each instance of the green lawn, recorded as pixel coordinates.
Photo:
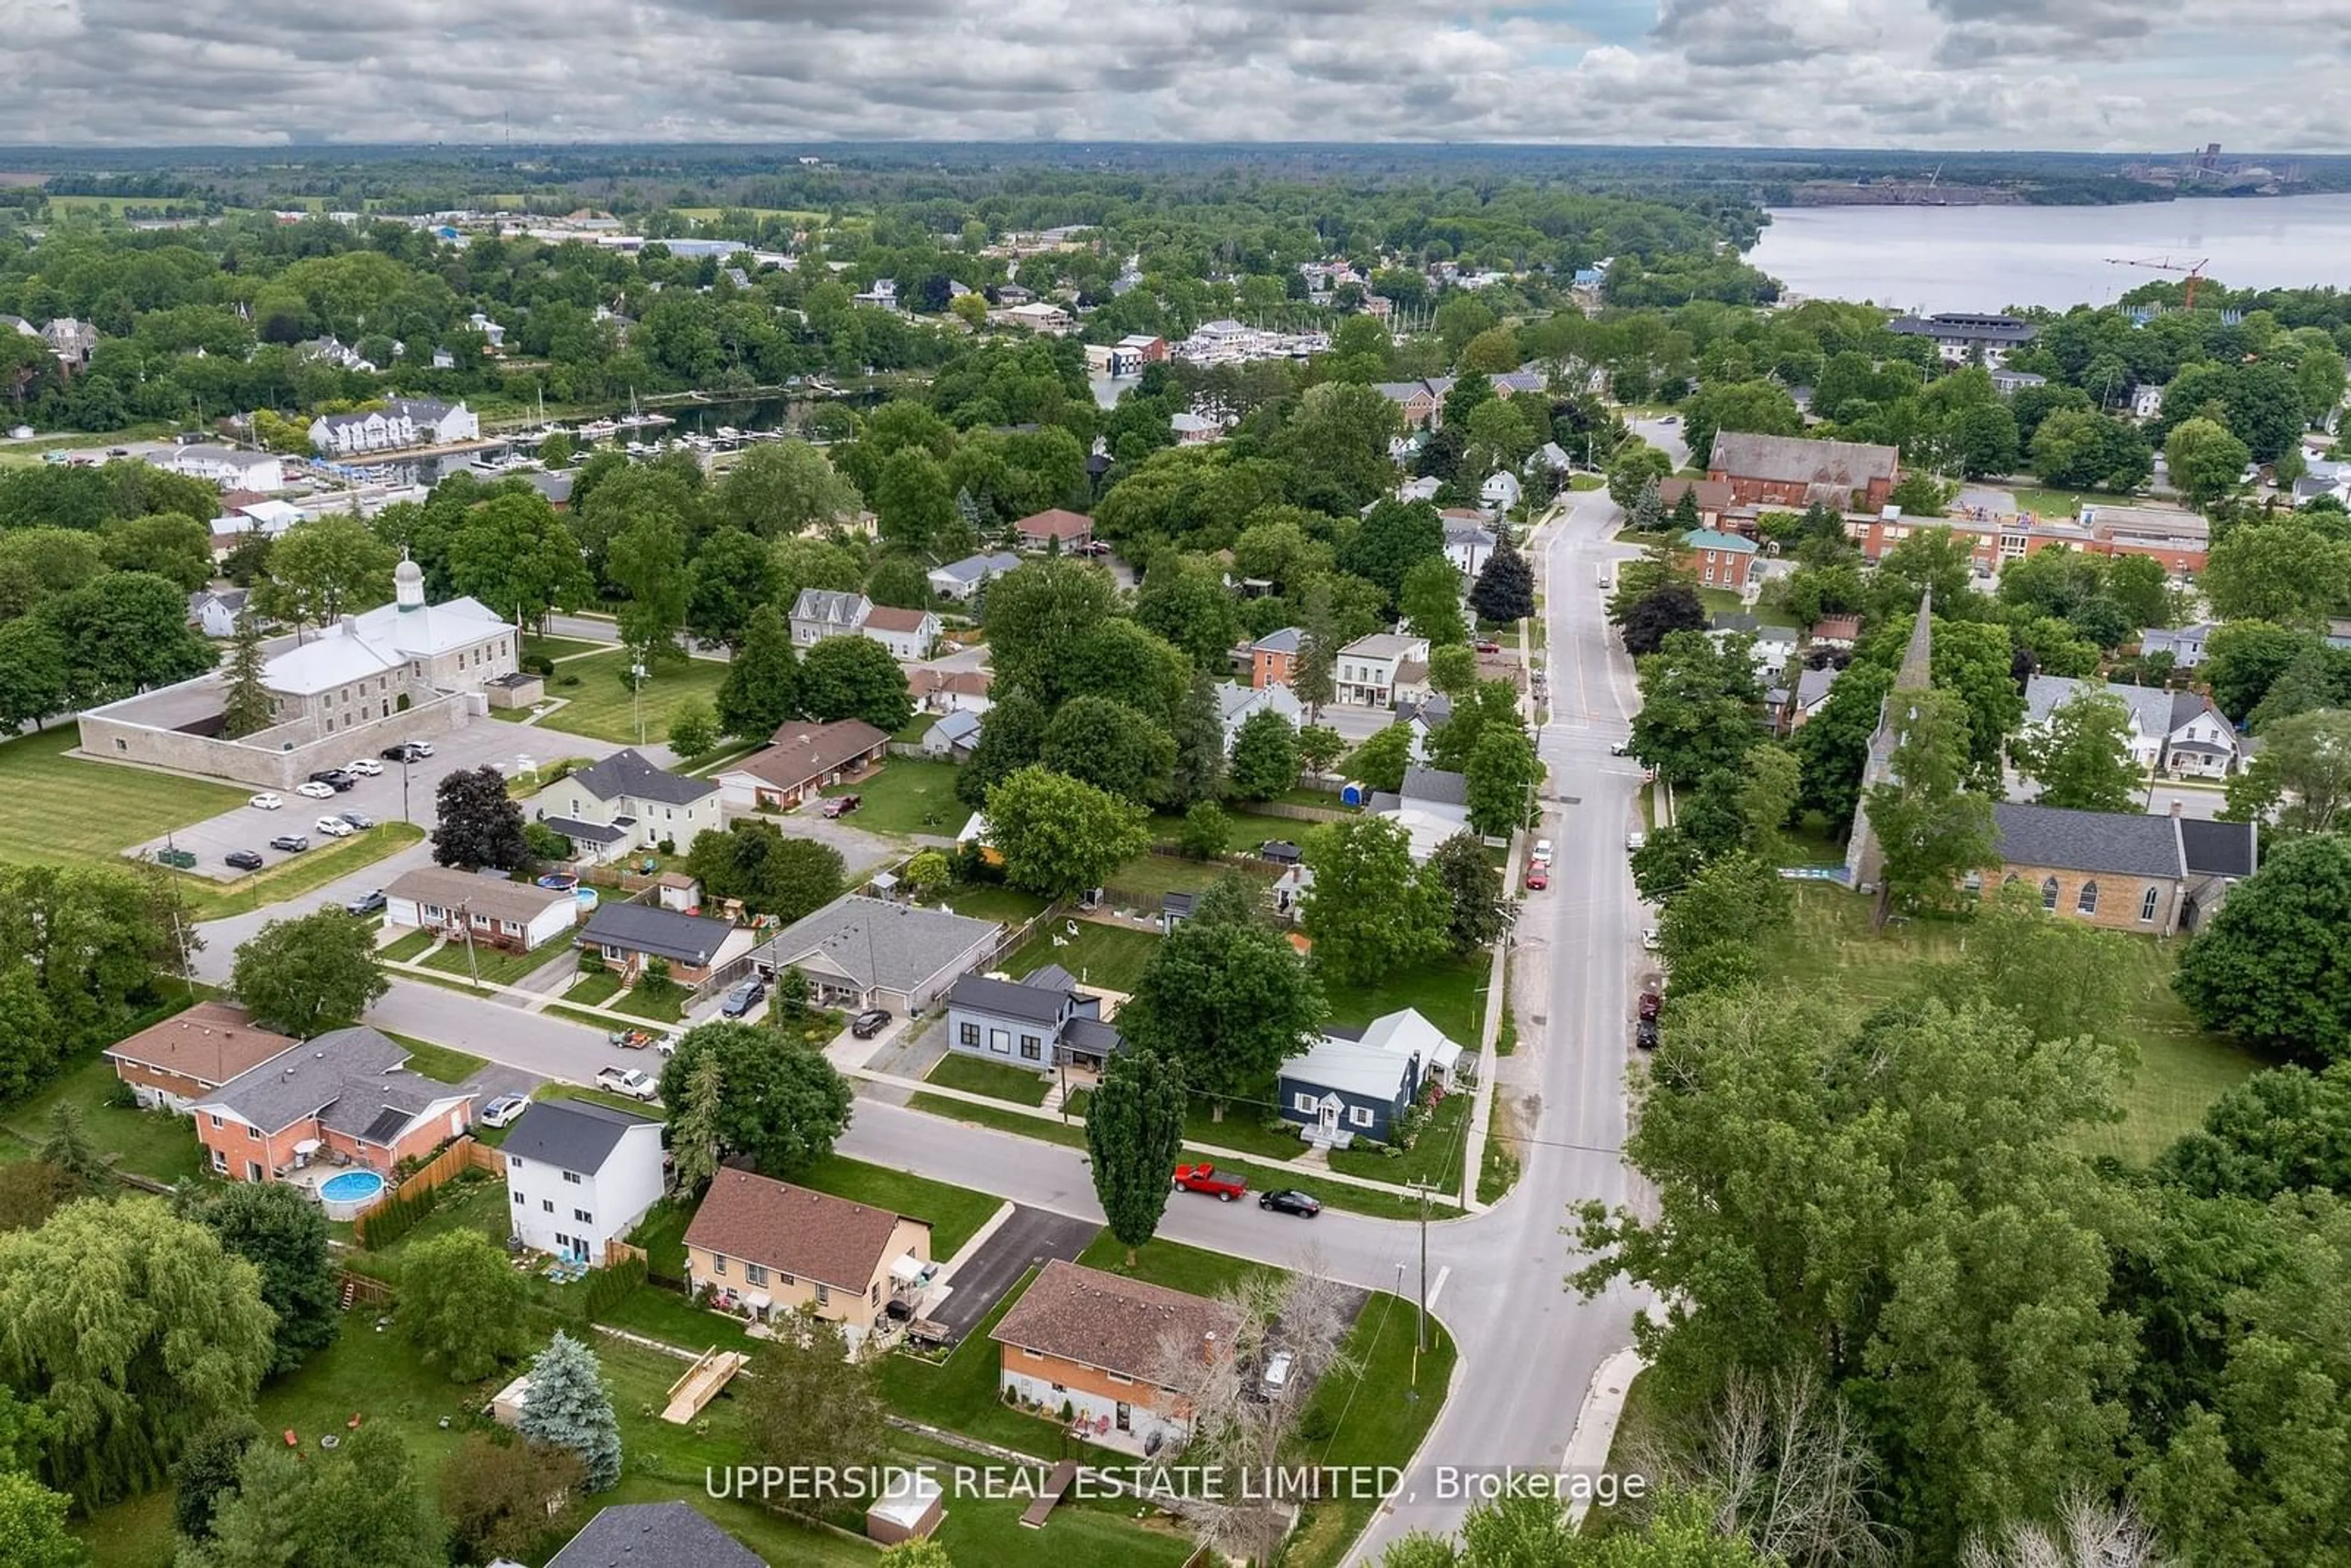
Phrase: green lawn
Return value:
(416, 945)
(495, 966)
(659, 1312)
(313, 868)
(661, 1233)
(1149, 877)
(2181, 1069)
(1071, 1133)
(955, 1212)
(438, 1063)
(54, 807)
(1435, 1156)
(1173, 1264)
(2064, 503)
(1376, 1417)
(992, 901)
(1449, 993)
(1109, 955)
(593, 990)
(1243, 1130)
(959, 1393)
(153, 1144)
(907, 796)
(560, 647)
(667, 1007)
(601, 704)
(996, 1080)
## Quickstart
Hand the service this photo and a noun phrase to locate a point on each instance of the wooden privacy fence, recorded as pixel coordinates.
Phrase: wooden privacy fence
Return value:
(463, 1153)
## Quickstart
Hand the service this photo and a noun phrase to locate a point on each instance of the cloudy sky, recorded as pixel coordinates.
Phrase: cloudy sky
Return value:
(2108, 75)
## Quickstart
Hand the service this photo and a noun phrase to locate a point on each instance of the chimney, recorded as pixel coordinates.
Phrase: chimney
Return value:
(2177, 806)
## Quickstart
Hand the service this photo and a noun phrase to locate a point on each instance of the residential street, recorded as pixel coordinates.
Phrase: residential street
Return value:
(1529, 1345)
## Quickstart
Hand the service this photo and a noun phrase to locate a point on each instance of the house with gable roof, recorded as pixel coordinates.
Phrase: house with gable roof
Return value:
(624, 804)
(861, 952)
(2172, 732)
(2121, 869)
(344, 1097)
(821, 613)
(1041, 1022)
(1357, 1083)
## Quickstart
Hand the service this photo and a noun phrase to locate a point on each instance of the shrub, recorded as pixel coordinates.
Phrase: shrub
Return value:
(607, 1287)
(394, 1218)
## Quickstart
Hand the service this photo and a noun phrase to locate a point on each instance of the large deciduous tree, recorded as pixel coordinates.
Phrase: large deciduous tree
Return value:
(781, 489)
(1369, 912)
(129, 1330)
(2301, 778)
(762, 688)
(1502, 778)
(855, 677)
(506, 1498)
(646, 561)
(1668, 607)
(1225, 994)
(323, 569)
(1134, 1130)
(1058, 835)
(310, 973)
(2081, 756)
(1480, 914)
(514, 554)
(732, 577)
(1110, 746)
(1395, 536)
(808, 1403)
(360, 1504)
(2205, 462)
(1264, 757)
(2273, 967)
(771, 874)
(1430, 601)
(284, 1236)
(1698, 699)
(781, 1104)
(1505, 589)
(1932, 829)
(1036, 616)
(480, 825)
(461, 1306)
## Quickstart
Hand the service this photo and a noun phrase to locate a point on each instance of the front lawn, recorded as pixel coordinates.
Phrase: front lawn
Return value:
(668, 1007)
(1112, 957)
(438, 1063)
(955, 1212)
(593, 990)
(907, 796)
(1449, 993)
(1243, 1130)
(601, 704)
(559, 648)
(995, 1079)
(1071, 1133)
(1435, 1156)
(416, 945)
(1831, 950)
(55, 807)
(495, 966)
(1173, 1264)
(1377, 1416)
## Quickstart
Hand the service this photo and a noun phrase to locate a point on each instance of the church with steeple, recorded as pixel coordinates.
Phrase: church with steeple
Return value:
(1864, 858)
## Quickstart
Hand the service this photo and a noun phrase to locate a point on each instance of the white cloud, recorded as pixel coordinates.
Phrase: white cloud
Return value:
(2111, 74)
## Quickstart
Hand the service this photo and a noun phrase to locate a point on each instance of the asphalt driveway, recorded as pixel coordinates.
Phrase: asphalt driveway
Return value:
(1022, 1242)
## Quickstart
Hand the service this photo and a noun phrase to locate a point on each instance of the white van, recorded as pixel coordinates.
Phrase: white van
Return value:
(1604, 575)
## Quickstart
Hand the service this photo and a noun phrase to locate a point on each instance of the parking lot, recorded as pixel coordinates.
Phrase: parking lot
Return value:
(400, 793)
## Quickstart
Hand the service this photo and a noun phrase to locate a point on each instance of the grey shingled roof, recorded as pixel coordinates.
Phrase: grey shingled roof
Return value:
(574, 1134)
(654, 1535)
(896, 947)
(1849, 465)
(1092, 1036)
(832, 608)
(585, 832)
(1006, 998)
(666, 933)
(628, 773)
(1437, 785)
(2219, 848)
(2119, 844)
(348, 1072)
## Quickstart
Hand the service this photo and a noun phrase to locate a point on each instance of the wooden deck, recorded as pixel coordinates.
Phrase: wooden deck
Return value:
(1046, 1501)
(709, 1373)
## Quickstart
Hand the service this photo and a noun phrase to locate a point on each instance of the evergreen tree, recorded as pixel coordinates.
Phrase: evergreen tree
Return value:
(67, 1149)
(1685, 513)
(762, 686)
(693, 1131)
(1505, 589)
(1135, 1129)
(569, 1408)
(248, 706)
(1313, 674)
(1199, 731)
(1648, 510)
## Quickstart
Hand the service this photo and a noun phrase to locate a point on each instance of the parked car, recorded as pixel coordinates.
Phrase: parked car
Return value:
(869, 1023)
(333, 828)
(627, 1081)
(368, 903)
(1620, 748)
(358, 818)
(1542, 854)
(667, 1044)
(243, 859)
(630, 1039)
(419, 747)
(1487, 645)
(292, 844)
(1645, 1034)
(1289, 1200)
(1538, 878)
(1208, 1179)
(840, 805)
(364, 767)
(1275, 1376)
(406, 751)
(1652, 1003)
(1635, 839)
(743, 998)
(502, 1111)
(311, 789)
(267, 802)
(1649, 938)
(335, 779)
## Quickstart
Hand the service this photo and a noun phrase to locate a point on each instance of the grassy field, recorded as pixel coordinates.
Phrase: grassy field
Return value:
(1150, 877)
(2181, 1071)
(1071, 1133)
(2066, 503)
(56, 808)
(561, 647)
(908, 795)
(1107, 956)
(152, 1143)
(955, 1212)
(994, 1078)
(601, 704)
(312, 869)
(989, 900)
(495, 966)
(1450, 994)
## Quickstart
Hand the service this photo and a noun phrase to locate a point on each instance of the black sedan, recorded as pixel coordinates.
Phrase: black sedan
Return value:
(243, 859)
(869, 1023)
(335, 779)
(1645, 1034)
(1289, 1200)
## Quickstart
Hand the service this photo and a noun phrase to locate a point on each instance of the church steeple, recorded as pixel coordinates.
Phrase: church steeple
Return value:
(1863, 858)
(408, 584)
(1918, 659)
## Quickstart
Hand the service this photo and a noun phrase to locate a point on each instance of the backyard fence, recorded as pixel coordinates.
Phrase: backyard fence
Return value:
(1301, 813)
(463, 1154)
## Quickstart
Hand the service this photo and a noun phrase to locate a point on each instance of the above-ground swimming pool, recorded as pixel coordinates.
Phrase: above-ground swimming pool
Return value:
(349, 1194)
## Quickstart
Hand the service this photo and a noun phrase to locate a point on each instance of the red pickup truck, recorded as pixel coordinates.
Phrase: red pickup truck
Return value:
(1204, 1179)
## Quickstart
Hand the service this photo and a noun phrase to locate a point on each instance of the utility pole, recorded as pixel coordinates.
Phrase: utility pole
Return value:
(1420, 1306)
(465, 916)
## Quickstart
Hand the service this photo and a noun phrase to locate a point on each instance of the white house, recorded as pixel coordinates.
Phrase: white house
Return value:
(961, 580)
(1040, 316)
(1236, 704)
(1468, 544)
(580, 1176)
(909, 634)
(2177, 732)
(402, 421)
(624, 804)
(1368, 665)
(1432, 807)
(1501, 491)
(820, 612)
(2184, 644)
(2146, 400)
(514, 916)
(1193, 430)
(217, 610)
(261, 472)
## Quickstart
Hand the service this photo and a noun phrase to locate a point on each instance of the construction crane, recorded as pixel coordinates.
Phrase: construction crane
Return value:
(2164, 264)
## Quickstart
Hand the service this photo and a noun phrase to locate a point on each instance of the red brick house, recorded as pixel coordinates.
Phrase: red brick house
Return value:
(173, 1064)
(1792, 472)
(1041, 530)
(343, 1098)
(1720, 559)
(1097, 1343)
